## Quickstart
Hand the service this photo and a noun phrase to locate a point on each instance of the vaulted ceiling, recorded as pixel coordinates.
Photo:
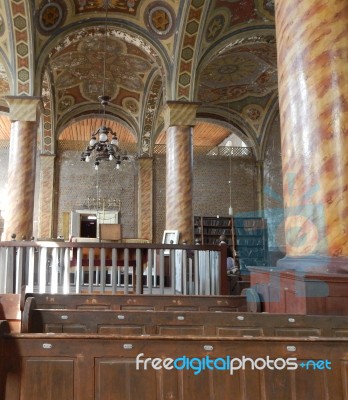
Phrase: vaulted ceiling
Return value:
(141, 53)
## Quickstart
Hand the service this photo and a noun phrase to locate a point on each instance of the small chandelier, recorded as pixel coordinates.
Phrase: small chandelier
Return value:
(103, 144)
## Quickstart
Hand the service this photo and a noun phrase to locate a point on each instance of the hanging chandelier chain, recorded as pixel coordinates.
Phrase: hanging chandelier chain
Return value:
(105, 47)
(101, 146)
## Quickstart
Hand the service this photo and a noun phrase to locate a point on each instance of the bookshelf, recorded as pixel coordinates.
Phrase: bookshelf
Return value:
(207, 230)
(248, 235)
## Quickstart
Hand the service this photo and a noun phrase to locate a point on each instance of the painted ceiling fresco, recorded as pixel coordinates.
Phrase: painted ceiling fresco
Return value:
(141, 53)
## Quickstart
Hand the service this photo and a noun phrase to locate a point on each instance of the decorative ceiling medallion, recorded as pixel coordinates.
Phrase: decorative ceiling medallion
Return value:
(131, 105)
(65, 103)
(160, 19)
(126, 6)
(253, 112)
(84, 67)
(51, 15)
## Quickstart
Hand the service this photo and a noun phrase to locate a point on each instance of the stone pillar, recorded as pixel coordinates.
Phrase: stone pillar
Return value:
(145, 198)
(180, 117)
(21, 169)
(46, 196)
(312, 43)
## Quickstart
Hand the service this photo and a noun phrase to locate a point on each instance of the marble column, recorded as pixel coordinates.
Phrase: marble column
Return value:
(145, 198)
(312, 44)
(21, 169)
(180, 117)
(46, 196)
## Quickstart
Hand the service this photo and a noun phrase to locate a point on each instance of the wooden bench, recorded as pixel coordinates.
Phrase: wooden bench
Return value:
(199, 323)
(89, 367)
(138, 302)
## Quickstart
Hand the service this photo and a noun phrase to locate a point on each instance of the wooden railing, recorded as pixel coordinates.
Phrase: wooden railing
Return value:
(65, 267)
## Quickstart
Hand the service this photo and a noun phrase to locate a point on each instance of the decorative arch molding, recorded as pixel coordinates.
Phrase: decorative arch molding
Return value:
(187, 54)
(238, 37)
(21, 39)
(273, 112)
(150, 115)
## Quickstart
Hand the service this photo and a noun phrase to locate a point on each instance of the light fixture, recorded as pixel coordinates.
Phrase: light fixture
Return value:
(103, 145)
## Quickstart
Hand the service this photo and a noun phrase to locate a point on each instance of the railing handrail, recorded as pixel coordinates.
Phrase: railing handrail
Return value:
(108, 245)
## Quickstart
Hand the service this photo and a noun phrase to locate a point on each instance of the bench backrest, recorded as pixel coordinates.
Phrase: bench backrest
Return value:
(74, 367)
(137, 302)
(177, 323)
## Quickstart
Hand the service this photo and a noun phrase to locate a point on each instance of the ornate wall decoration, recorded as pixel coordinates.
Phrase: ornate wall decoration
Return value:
(51, 15)
(4, 83)
(240, 10)
(160, 19)
(2, 25)
(215, 27)
(123, 6)
(48, 144)
(266, 8)
(131, 105)
(254, 113)
(65, 103)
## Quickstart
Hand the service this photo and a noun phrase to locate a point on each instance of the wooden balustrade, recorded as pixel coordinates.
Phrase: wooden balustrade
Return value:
(64, 267)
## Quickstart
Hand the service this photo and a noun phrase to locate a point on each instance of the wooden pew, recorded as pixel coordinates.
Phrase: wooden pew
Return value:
(89, 367)
(138, 302)
(200, 323)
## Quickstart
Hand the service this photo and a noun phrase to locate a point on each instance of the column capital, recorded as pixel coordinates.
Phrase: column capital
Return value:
(23, 108)
(179, 113)
(43, 155)
(142, 158)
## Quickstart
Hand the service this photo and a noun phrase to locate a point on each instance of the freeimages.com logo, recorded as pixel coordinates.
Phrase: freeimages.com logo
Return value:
(228, 363)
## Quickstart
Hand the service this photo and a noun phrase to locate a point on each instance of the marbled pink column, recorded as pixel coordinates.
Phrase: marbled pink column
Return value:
(21, 180)
(179, 182)
(145, 198)
(21, 169)
(312, 40)
(180, 117)
(46, 196)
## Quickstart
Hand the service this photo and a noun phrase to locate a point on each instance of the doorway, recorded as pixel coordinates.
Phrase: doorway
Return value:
(88, 226)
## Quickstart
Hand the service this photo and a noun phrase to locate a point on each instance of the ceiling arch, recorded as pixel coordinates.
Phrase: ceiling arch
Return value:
(220, 53)
(81, 129)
